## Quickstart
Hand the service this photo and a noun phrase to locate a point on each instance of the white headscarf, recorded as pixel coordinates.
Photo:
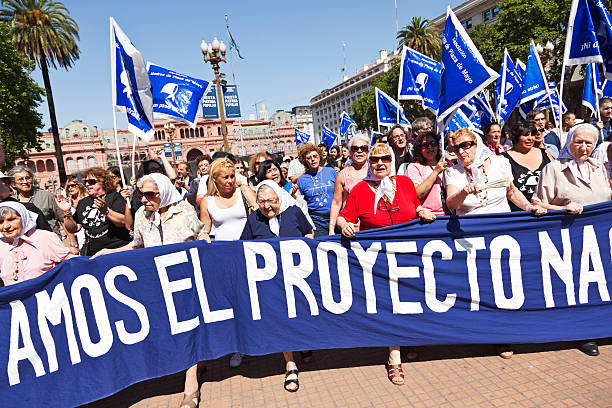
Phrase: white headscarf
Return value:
(482, 153)
(385, 188)
(576, 166)
(284, 200)
(168, 194)
(28, 219)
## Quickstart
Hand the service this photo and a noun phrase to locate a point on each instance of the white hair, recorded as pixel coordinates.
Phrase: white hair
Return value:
(358, 137)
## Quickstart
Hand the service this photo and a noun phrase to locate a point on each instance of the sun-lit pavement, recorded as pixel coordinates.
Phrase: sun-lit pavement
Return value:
(546, 375)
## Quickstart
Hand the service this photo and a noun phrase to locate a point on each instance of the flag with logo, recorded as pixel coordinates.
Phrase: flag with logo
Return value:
(460, 120)
(176, 96)
(130, 85)
(464, 73)
(592, 89)
(346, 123)
(508, 88)
(301, 137)
(419, 79)
(387, 110)
(328, 137)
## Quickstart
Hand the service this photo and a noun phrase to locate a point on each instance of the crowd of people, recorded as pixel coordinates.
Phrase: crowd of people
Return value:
(398, 177)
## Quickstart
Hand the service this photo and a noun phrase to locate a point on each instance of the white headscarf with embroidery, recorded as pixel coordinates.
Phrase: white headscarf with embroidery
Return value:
(168, 194)
(28, 219)
(482, 153)
(385, 187)
(284, 200)
(577, 166)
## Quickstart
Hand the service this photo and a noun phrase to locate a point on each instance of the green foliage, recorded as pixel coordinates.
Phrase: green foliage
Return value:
(19, 98)
(421, 36)
(364, 108)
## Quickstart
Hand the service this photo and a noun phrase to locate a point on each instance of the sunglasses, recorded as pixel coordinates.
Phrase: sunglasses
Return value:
(463, 146)
(149, 195)
(363, 148)
(71, 185)
(430, 144)
(376, 159)
(90, 182)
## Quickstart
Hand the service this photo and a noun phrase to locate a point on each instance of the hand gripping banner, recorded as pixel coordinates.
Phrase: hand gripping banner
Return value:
(88, 329)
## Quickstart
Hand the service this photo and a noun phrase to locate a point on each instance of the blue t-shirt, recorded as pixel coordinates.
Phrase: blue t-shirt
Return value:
(318, 190)
(287, 186)
(293, 223)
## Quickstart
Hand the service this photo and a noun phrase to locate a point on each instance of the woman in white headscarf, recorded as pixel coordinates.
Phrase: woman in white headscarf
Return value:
(481, 182)
(575, 179)
(165, 218)
(380, 200)
(26, 252)
(278, 216)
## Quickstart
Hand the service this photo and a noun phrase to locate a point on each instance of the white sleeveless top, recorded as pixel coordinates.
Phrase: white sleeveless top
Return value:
(228, 223)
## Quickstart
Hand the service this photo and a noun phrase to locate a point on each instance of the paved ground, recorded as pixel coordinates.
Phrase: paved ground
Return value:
(548, 375)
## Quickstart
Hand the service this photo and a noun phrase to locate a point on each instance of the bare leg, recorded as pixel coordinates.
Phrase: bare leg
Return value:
(192, 389)
(395, 372)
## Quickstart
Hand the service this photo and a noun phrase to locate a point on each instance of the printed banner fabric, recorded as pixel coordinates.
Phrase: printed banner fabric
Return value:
(420, 79)
(88, 328)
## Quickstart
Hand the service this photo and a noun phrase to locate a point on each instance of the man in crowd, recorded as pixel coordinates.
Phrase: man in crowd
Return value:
(551, 140)
(398, 142)
(183, 178)
(26, 192)
(604, 125)
(569, 121)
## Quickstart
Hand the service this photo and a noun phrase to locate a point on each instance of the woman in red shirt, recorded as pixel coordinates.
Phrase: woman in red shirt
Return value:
(380, 200)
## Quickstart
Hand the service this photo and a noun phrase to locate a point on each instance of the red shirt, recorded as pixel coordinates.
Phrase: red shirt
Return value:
(360, 205)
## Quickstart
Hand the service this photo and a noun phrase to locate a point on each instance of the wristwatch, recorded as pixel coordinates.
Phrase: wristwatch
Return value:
(74, 245)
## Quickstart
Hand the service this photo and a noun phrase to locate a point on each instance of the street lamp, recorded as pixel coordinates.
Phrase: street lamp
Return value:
(169, 127)
(545, 52)
(215, 53)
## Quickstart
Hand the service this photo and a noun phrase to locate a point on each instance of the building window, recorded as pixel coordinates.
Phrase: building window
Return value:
(495, 11)
(468, 24)
(70, 165)
(486, 15)
(91, 161)
(80, 163)
(182, 134)
(50, 165)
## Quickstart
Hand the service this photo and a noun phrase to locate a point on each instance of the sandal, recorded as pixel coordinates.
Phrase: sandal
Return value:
(188, 400)
(306, 356)
(395, 373)
(505, 351)
(291, 381)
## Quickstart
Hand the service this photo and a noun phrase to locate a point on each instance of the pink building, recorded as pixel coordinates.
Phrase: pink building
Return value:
(86, 146)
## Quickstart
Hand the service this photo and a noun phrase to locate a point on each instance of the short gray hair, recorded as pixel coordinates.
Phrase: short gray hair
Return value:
(420, 123)
(4, 211)
(358, 137)
(265, 187)
(18, 169)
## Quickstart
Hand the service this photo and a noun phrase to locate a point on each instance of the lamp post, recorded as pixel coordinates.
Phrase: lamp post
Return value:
(215, 53)
(545, 52)
(169, 127)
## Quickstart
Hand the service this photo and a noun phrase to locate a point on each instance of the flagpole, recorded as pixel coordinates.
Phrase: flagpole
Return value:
(597, 114)
(502, 93)
(134, 156)
(559, 127)
(235, 83)
(543, 73)
(113, 90)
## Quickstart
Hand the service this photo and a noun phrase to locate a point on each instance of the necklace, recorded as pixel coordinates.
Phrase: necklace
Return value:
(483, 196)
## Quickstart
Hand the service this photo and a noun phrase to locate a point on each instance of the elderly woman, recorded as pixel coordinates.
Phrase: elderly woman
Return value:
(226, 206)
(573, 181)
(380, 200)
(26, 252)
(278, 216)
(317, 187)
(349, 177)
(481, 182)
(425, 171)
(526, 161)
(492, 136)
(101, 213)
(165, 218)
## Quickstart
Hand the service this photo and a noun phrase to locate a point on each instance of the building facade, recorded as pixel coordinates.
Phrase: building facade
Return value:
(303, 117)
(86, 146)
(329, 104)
(470, 13)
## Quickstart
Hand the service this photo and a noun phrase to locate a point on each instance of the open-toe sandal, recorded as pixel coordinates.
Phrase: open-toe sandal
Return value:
(188, 400)
(288, 381)
(395, 373)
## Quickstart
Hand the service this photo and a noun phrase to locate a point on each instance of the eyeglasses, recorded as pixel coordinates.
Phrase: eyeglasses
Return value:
(90, 182)
(384, 159)
(69, 186)
(23, 180)
(463, 146)
(149, 195)
(362, 148)
(430, 144)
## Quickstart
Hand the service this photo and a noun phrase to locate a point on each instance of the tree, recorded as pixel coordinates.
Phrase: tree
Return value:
(43, 31)
(19, 98)
(421, 36)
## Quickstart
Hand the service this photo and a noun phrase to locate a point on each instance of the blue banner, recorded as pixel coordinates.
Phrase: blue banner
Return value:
(301, 137)
(345, 124)
(387, 110)
(176, 96)
(591, 88)
(328, 137)
(420, 79)
(544, 102)
(465, 72)
(210, 109)
(508, 88)
(130, 84)
(534, 82)
(87, 329)
(460, 120)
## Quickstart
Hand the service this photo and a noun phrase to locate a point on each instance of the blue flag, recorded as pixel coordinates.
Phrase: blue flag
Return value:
(386, 110)
(591, 88)
(465, 72)
(589, 35)
(544, 102)
(534, 82)
(345, 124)
(176, 96)
(483, 109)
(508, 88)
(328, 137)
(420, 79)
(130, 84)
(521, 68)
(460, 120)
(301, 137)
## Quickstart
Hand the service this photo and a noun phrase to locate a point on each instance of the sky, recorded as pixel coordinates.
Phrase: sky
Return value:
(292, 50)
